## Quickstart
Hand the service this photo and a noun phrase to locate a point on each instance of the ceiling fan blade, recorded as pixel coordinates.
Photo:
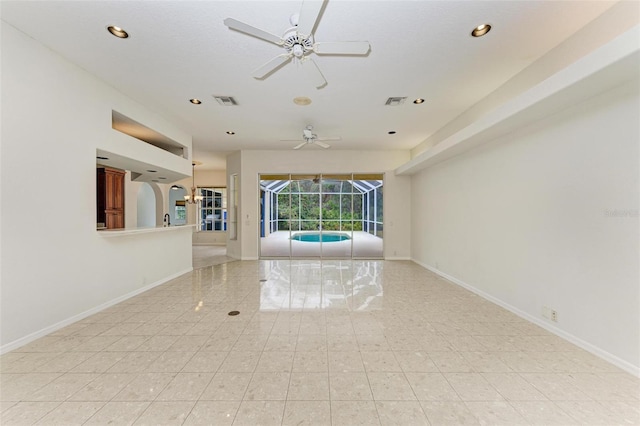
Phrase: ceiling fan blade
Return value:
(342, 48)
(234, 24)
(309, 15)
(313, 73)
(331, 138)
(271, 66)
(300, 146)
(322, 144)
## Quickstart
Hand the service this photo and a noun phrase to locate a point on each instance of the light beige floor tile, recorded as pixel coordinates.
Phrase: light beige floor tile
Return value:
(342, 342)
(165, 413)
(144, 387)
(206, 413)
(312, 342)
(448, 413)
(390, 387)
(103, 388)
(275, 361)
(420, 336)
(263, 413)
(26, 413)
(431, 387)
(354, 413)
(227, 387)
(309, 387)
(99, 363)
(126, 344)
(495, 413)
(380, 361)
(556, 387)
(301, 413)
(250, 342)
(349, 387)
(63, 363)
(170, 362)
(118, 413)
(62, 388)
(401, 413)
(205, 362)
(344, 362)
(158, 343)
(543, 413)
(415, 361)
(513, 387)
(71, 413)
(281, 343)
(188, 343)
(450, 362)
(472, 387)
(311, 362)
(240, 362)
(185, 387)
(268, 387)
(134, 362)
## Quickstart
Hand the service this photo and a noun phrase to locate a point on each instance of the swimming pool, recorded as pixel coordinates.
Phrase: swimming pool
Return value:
(317, 237)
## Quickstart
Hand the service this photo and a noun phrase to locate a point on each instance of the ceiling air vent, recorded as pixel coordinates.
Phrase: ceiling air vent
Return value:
(394, 101)
(225, 100)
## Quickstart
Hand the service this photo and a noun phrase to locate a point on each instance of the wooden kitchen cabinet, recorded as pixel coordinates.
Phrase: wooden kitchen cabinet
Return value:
(110, 197)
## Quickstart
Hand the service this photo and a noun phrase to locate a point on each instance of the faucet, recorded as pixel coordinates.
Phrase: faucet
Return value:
(167, 220)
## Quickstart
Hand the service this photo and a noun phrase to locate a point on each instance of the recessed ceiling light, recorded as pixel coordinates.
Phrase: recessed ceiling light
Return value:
(418, 101)
(102, 158)
(392, 132)
(229, 132)
(152, 171)
(117, 31)
(302, 101)
(481, 30)
(195, 101)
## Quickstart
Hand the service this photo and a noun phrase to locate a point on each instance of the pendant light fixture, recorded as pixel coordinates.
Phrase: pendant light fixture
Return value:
(193, 198)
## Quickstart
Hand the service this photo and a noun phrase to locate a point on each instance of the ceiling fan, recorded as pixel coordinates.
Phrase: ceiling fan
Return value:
(299, 43)
(311, 138)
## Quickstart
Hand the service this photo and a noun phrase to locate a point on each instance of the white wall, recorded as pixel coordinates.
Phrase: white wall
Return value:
(530, 220)
(397, 234)
(55, 265)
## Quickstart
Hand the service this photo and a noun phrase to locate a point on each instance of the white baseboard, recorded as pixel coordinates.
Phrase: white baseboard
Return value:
(57, 326)
(618, 362)
(398, 258)
(248, 258)
(209, 244)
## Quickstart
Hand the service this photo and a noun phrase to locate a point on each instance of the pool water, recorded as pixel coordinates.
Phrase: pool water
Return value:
(317, 237)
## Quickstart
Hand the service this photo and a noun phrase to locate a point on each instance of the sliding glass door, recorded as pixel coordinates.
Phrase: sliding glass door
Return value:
(332, 216)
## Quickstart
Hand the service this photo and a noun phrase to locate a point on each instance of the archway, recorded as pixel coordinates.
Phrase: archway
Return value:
(146, 206)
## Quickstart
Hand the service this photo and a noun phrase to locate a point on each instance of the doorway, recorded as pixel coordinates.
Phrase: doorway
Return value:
(332, 216)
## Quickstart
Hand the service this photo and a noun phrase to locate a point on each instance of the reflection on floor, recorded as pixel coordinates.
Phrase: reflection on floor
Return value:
(365, 246)
(204, 256)
(333, 342)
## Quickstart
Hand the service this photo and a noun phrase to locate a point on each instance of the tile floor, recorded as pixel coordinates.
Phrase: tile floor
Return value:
(333, 342)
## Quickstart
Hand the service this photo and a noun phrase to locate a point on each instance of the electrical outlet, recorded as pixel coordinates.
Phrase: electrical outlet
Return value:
(554, 316)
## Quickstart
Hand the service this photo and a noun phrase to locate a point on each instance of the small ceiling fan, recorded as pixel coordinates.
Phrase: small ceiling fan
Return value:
(299, 43)
(311, 138)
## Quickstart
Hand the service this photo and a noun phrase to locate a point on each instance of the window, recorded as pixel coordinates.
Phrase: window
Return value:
(212, 210)
(180, 213)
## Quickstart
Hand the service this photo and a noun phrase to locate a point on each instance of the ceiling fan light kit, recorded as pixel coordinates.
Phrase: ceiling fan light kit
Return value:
(299, 43)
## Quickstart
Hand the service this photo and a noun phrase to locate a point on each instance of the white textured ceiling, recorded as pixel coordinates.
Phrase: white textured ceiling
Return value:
(179, 50)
